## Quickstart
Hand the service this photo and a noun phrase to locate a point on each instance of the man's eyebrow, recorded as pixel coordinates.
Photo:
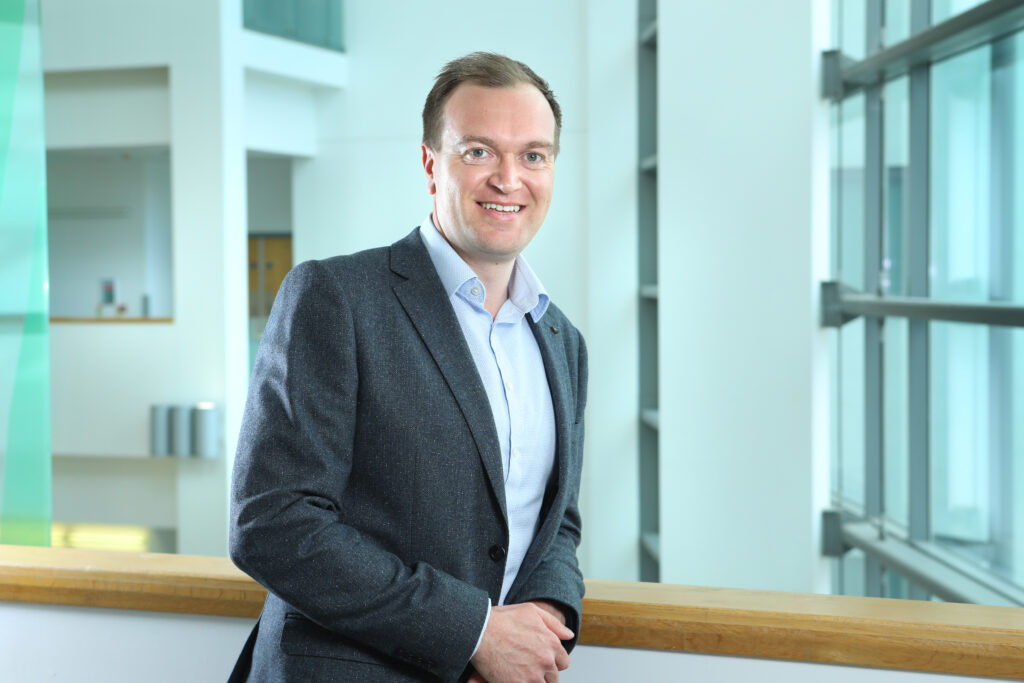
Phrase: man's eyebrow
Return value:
(542, 144)
(533, 144)
(475, 138)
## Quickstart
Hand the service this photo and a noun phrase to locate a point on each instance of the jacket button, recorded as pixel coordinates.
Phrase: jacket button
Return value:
(497, 553)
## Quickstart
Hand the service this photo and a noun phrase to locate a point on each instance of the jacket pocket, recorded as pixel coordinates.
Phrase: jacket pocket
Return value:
(301, 637)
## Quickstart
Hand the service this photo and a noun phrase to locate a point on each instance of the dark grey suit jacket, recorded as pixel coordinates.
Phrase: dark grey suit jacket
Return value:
(368, 492)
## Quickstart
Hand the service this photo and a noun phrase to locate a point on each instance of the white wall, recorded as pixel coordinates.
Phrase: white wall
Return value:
(97, 645)
(742, 186)
(280, 115)
(592, 663)
(608, 280)
(125, 107)
(116, 490)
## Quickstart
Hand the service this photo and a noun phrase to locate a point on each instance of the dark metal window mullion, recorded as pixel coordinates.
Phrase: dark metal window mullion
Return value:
(873, 394)
(919, 493)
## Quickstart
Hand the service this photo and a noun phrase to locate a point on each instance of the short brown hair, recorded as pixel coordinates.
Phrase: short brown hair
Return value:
(482, 68)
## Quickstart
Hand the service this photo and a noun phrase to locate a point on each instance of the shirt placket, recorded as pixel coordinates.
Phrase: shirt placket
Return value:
(505, 375)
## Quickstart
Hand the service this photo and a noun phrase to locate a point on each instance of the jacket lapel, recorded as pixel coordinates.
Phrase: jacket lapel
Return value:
(557, 372)
(422, 296)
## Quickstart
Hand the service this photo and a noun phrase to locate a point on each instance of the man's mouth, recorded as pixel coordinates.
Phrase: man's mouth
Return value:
(506, 208)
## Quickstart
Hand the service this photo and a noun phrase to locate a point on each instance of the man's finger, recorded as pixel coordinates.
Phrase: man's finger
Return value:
(562, 660)
(557, 627)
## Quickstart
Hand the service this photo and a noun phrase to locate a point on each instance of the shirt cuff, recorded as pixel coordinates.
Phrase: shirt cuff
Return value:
(486, 620)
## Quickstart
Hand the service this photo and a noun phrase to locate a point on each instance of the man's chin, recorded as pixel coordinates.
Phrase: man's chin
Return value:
(500, 251)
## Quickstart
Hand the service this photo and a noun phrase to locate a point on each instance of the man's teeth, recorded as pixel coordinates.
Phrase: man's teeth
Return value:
(514, 208)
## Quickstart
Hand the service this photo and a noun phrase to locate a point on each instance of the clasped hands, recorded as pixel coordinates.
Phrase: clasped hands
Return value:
(522, 643)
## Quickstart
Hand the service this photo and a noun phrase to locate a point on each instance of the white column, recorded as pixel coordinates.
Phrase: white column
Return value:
(209, 212)
(610, 491)
(742, 217)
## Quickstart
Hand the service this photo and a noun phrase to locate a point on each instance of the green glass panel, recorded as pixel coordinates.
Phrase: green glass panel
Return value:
(25, 492)
(315, 22)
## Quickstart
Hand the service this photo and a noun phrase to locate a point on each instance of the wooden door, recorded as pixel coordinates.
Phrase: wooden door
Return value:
(270, 259)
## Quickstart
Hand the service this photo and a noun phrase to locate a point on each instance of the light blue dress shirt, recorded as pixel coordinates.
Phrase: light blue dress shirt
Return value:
(510, 365)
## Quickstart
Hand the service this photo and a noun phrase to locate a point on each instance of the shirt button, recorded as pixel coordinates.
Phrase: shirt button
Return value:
(497, 553)
(475, 291)
(515, 452)
(508, 386)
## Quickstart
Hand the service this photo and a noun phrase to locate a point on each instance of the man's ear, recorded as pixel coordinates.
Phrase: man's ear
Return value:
(428, 168)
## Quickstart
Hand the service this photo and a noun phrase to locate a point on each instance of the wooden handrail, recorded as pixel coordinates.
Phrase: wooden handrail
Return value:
(971, 640)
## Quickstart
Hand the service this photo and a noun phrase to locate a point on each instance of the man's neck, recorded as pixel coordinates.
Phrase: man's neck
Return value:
(495, 278)
(495, 275)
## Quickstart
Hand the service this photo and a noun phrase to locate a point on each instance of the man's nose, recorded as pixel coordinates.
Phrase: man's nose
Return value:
(506, 176)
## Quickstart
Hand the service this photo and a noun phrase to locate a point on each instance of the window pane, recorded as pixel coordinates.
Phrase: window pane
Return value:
(895, 359)
(895, 444)
(851, 192)
(894, 586)
(853, 573)
(960, 436)
(977, 231)
(851, 381)
(961, 117)
(853, 24)
(897, 21)
(316, 22)
(895, 207)
(977, 491)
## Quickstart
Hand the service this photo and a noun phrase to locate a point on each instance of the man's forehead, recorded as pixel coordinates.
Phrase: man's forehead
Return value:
(478, 113)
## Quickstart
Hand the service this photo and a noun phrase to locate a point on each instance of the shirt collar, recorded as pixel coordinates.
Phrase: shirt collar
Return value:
(525, 290)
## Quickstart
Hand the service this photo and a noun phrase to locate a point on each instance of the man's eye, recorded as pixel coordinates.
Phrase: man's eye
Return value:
(478, 153)
(534, 157)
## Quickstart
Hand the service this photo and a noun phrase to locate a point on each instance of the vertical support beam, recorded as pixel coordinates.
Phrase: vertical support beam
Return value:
(917, 285)
(873, 409)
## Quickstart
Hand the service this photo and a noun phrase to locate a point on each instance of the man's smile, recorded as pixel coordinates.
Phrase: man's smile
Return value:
(505, 208)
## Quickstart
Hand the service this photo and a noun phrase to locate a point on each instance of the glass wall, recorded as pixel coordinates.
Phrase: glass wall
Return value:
(24, 310)
(316, 22)
(931, 163)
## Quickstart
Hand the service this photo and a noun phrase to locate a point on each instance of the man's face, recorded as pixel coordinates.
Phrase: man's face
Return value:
(492, 177)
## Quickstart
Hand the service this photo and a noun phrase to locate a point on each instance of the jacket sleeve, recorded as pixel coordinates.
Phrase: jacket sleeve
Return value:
(557, 577)
(295, 454)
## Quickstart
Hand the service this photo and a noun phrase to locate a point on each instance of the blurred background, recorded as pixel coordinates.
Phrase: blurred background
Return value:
(164, 164)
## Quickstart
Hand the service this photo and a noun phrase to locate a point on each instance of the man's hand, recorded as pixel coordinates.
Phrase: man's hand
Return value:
(550, 609)
(522, 643)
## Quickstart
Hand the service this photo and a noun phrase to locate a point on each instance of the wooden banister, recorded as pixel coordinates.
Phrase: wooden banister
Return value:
(901, 634)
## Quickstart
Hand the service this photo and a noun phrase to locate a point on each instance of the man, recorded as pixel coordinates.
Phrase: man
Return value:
(408, 469)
